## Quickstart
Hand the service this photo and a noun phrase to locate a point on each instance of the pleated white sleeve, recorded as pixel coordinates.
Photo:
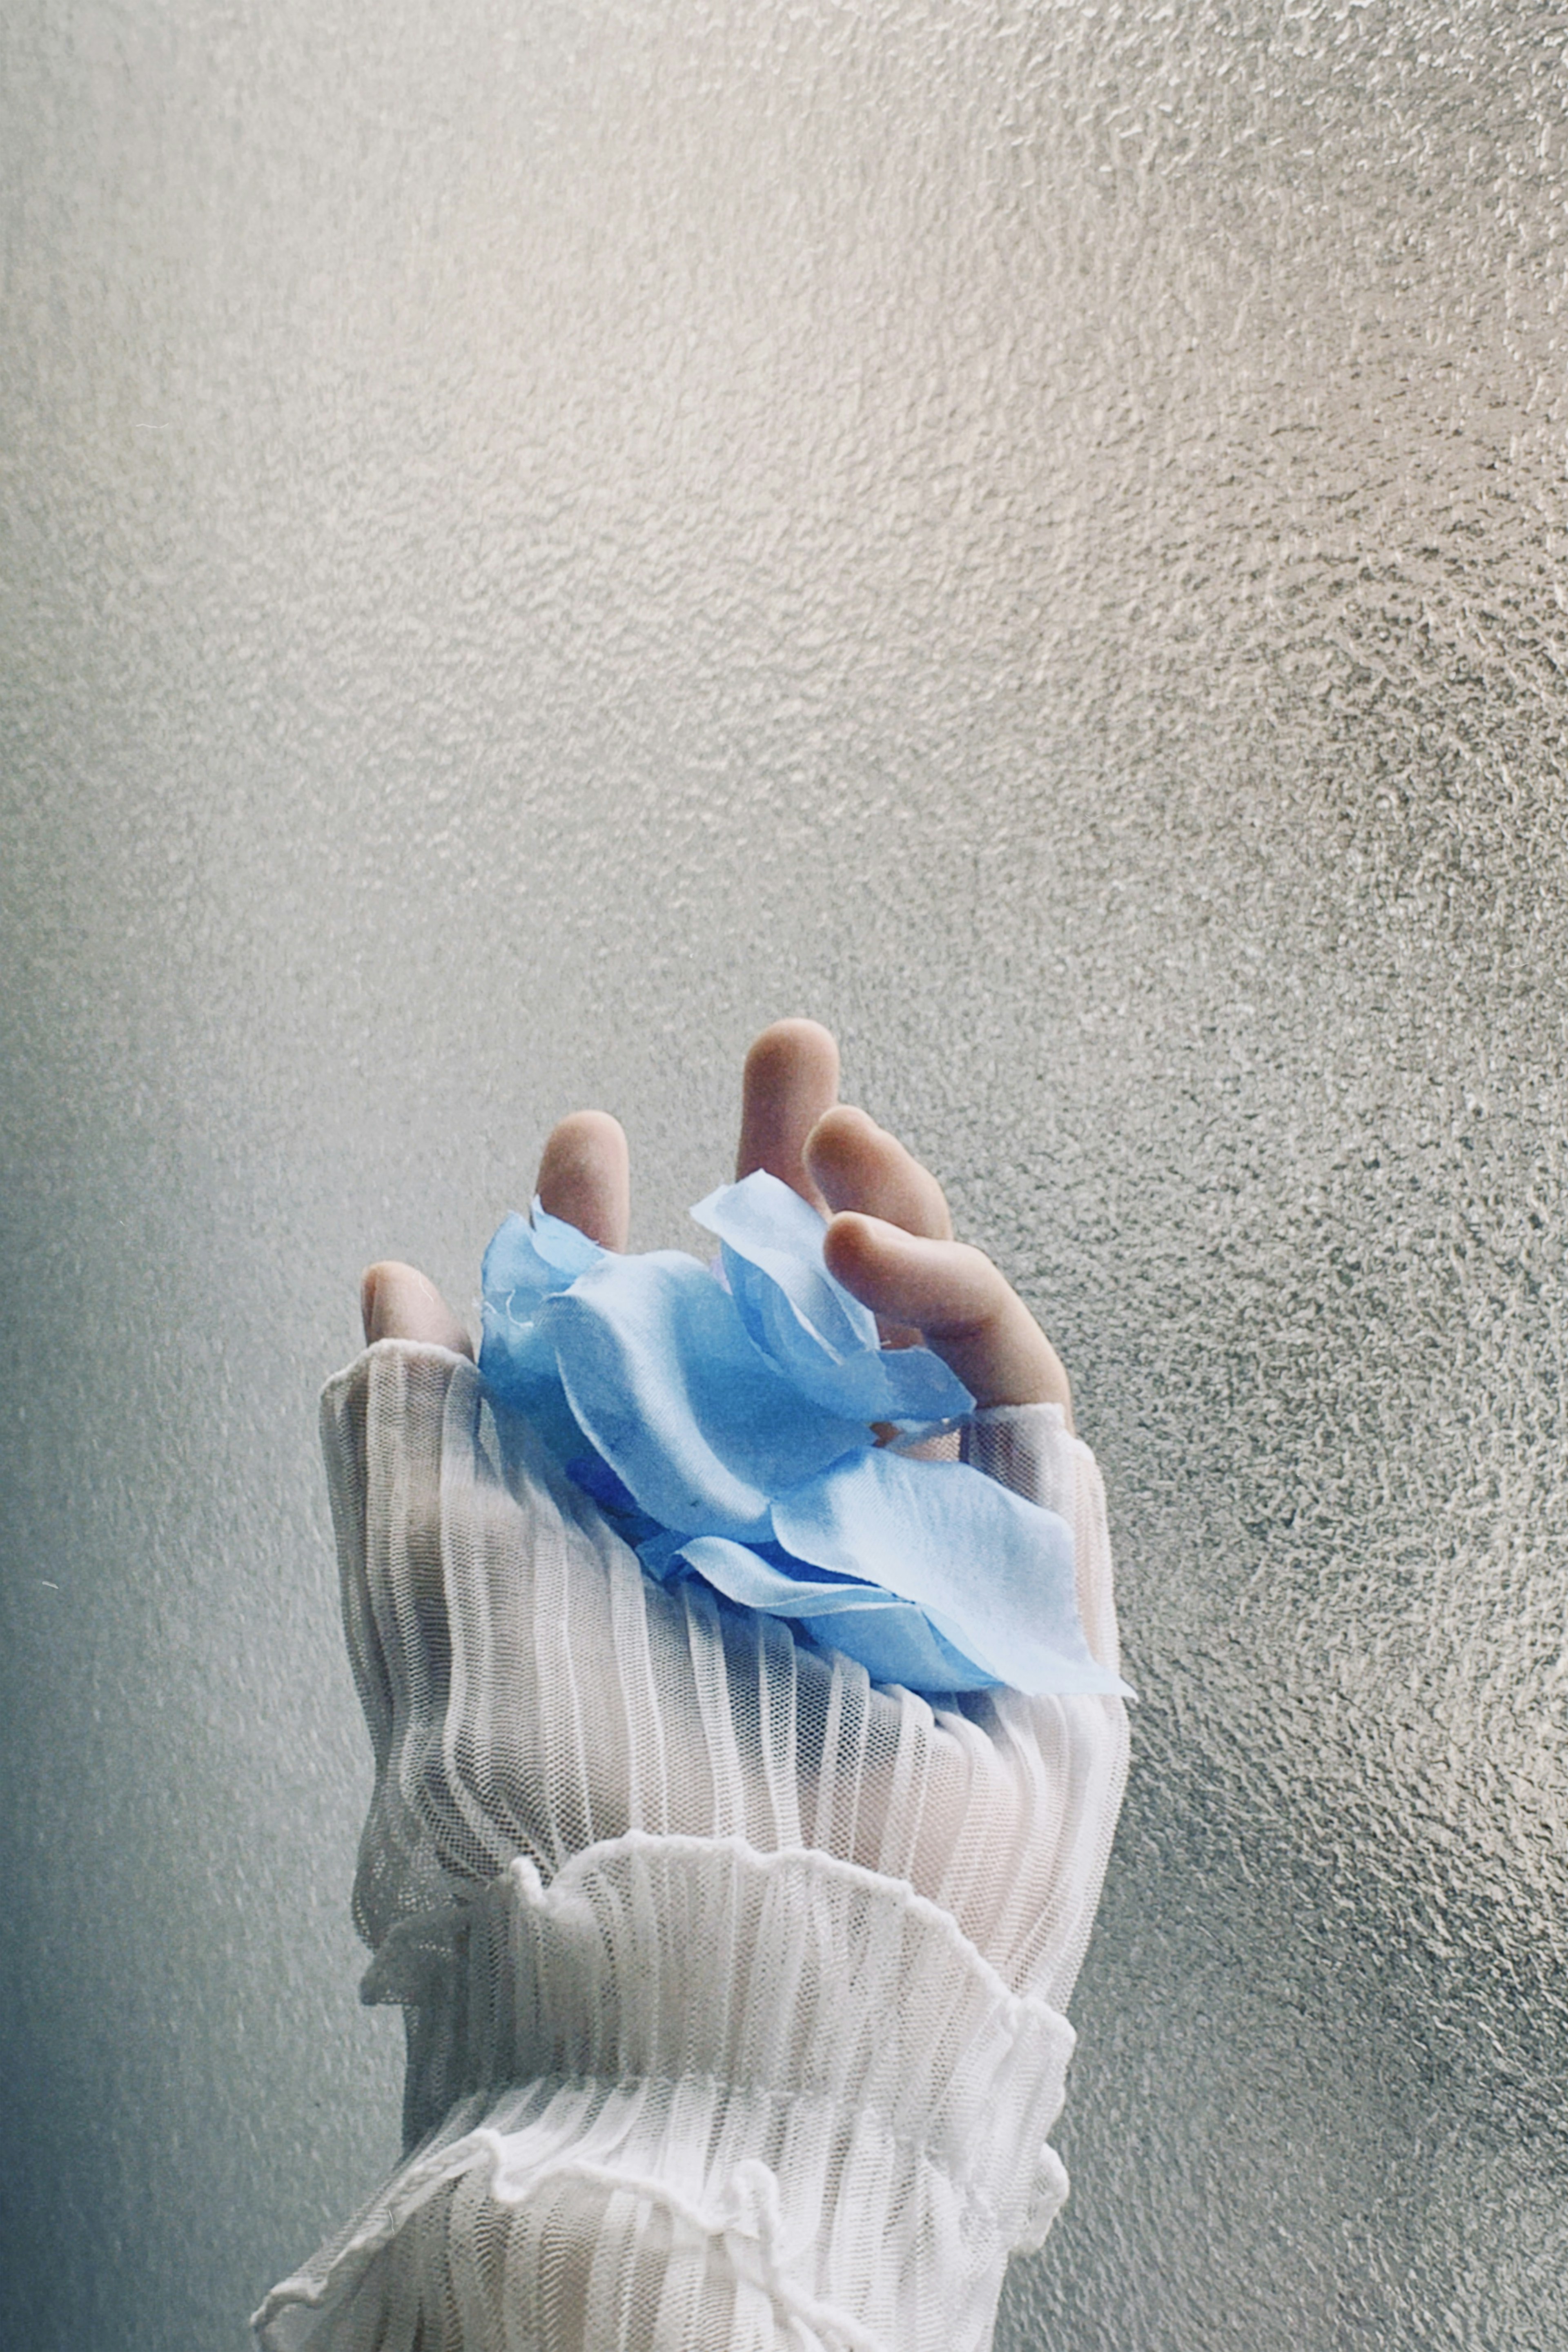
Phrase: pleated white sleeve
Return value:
(734, 1984)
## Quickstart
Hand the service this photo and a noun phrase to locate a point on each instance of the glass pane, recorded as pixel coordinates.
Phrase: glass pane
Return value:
(536, 540)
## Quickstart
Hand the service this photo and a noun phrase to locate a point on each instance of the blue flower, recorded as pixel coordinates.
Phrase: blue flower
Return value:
(724, 1425)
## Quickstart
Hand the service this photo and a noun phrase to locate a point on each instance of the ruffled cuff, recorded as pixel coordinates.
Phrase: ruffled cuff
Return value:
(757, 2101)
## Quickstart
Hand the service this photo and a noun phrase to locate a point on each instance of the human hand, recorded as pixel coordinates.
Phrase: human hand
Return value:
(890, 1235)
(728, 1970)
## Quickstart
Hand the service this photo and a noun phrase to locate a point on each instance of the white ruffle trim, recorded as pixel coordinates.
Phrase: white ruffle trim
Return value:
(806, 2066)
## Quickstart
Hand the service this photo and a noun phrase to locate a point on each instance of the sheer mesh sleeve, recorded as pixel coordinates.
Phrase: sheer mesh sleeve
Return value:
(733, 1984)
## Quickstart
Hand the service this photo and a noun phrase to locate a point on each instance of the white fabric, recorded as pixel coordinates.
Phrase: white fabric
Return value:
(733, 1984)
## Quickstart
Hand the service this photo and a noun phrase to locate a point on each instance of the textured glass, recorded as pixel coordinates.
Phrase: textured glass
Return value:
(537, 537)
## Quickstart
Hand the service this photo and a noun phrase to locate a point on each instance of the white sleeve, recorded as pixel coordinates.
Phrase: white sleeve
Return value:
(734, 1983)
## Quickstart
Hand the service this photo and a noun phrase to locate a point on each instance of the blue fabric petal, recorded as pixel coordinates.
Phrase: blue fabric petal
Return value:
(992, 1572)
(772, 1241)
(893, 1639)
(900, 1643)
(596, 1478)
(660, 1555)
(527, 1262)
(522, 1267)
(723, 1428)
(598, 1481)
(806, 1322)
(659, 1370)
(768, 1578)
(560, 1248)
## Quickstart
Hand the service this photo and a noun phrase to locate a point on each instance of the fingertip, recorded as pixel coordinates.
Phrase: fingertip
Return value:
(842, 1133)
(804, 1048)
(857, 1164)
(790, 1078)
(852, 1244)
(584, 1176)
(595, 1130)
(398, 1302)
(960, 1301)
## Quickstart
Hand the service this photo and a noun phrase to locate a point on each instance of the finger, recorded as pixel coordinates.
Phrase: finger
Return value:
(791, 1078)
(959, 1302)
(585, 1177)
(398, 1302)
(859, 1166)
(855, 1164)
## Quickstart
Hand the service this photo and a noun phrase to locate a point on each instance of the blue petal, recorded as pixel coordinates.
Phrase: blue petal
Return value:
(659, 1371)
(991, 1572)
(767, 1229)
(527, 1262)
(719, 1426)
(782, 1586)
(565, 1252)
(660, 1555)
(898, 1644)
(598, 1480)
(919, 1387)
(524, 1266)
(890, 1638)
(806, 1322)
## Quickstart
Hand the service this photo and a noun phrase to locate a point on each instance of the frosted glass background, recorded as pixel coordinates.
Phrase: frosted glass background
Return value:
(539, 534)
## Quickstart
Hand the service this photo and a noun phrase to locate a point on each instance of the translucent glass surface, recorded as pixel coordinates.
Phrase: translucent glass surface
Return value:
(537, 538)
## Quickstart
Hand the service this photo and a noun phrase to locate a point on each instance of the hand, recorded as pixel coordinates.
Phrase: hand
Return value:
(890, 1235)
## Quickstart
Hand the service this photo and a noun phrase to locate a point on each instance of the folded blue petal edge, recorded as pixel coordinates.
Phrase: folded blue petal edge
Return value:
(721, 1417)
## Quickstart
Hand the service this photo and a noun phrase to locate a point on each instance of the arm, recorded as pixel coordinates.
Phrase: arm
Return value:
(734, 1983)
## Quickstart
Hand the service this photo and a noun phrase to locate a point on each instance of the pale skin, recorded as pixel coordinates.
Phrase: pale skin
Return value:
(889, 1234)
